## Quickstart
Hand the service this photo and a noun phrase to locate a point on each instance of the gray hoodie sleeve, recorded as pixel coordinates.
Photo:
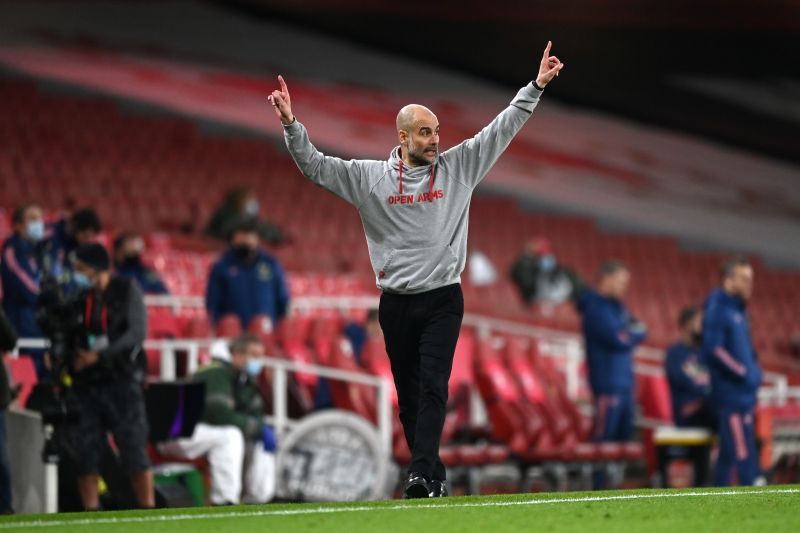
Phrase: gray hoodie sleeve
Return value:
(345, 179)
(473, 158)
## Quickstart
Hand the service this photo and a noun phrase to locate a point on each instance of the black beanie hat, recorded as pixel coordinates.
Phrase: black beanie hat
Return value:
(93, 255)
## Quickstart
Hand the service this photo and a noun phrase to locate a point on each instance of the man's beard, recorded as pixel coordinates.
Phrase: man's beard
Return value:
(418, 157)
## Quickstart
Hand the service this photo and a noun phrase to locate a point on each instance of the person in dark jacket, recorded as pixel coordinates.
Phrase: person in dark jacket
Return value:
(8, 340)
(611, 334)
(82, 227)
(239, 445)
(246, 281)
(128, 263)
(540, 277)
(107, 375)
(20, 272)
(735, 374)
(689, 382)
(241, 202)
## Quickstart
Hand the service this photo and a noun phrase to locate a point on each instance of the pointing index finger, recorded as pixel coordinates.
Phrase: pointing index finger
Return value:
(547, 50)
(283, 84)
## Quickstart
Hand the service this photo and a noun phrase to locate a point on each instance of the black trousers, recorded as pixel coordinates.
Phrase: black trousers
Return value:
(421, 331)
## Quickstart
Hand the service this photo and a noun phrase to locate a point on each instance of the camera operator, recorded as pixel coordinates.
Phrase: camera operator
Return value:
(107, 373)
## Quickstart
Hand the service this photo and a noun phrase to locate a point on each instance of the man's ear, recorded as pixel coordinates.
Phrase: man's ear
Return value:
(402, 136)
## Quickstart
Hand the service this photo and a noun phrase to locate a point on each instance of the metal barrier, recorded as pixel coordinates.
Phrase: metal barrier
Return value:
(280, 382)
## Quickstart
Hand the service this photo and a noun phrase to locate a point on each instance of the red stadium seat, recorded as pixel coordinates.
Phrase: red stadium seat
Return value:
(22, 372)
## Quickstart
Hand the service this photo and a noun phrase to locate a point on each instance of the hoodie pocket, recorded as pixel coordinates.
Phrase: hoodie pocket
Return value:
(409, 269)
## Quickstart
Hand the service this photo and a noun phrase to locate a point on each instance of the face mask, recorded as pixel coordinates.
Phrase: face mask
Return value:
(82, 280)
(547, 262)
(132, 261)
(254, 367)
(244, 251)
(35, 230)
(251, 207)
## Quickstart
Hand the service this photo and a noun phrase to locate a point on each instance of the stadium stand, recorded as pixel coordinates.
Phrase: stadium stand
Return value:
(161, 174)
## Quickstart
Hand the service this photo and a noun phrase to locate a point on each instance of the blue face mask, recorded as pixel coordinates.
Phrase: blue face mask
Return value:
(82, 280)
(254, 367)
(547, 262)
(35, 230)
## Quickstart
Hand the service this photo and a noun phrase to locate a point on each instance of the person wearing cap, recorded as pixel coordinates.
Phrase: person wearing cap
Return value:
(21, 275)
(128, 263)
(232, 434)
(246, 281)
(107, 372)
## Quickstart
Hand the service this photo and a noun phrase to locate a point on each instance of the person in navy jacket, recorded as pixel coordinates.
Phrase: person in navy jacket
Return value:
(611, 334)
(82, 227)
(20, 273)
(128, 249)
(735, 375)
(246, 281)
(689, 382)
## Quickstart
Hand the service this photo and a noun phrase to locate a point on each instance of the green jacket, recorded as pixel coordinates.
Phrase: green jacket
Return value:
(232, 399)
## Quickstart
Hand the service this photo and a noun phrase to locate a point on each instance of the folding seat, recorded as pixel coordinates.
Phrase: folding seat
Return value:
(229, 326)
(162, 323)
(262, 327)
(511, 422)
(355, 397)
(325, 330)
(22, 372)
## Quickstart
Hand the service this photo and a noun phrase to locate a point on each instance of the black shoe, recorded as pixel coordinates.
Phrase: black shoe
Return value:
(438, 489)
(416, 486)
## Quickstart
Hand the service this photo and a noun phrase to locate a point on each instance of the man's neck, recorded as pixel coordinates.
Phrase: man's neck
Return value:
(406, 161)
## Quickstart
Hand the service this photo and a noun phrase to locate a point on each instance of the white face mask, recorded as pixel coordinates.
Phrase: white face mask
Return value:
(35, 230)
(254, 367)
(251, 207)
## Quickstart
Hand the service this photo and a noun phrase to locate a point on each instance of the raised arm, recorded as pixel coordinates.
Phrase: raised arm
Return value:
(474, 157)
(345, 179)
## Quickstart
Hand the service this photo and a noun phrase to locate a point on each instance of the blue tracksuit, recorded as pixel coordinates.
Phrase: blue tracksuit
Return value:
(689, 386)
(147, 279)
(20, 275)
(610, 340)
(57, 257)
(735, 377)
(247, 289)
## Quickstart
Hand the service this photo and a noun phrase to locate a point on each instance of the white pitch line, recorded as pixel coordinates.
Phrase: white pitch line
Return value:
(366, 508)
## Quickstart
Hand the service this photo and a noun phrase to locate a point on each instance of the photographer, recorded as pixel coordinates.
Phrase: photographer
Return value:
(107, 372)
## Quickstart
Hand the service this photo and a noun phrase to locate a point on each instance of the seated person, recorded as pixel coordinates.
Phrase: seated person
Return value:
(688, 378)
(128, 249)
(232, 433)
(246, 281)
(241, 202)
(540, 278)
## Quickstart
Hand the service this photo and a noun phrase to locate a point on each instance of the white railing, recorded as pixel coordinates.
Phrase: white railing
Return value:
(168, 349)
(552, 343)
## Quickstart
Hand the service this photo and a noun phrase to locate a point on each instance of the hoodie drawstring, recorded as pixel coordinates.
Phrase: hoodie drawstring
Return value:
(431, 178)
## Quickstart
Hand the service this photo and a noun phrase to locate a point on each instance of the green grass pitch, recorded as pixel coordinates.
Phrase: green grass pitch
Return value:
(774, 509)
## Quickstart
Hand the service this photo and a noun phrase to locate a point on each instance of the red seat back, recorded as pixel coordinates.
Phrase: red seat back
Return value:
(22, 372)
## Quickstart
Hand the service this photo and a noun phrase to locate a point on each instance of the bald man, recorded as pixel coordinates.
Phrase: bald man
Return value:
(415, 208)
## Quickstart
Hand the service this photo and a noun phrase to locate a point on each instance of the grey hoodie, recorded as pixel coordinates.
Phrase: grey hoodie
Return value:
(416, 228)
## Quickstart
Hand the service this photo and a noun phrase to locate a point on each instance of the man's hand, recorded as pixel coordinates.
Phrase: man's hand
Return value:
(548, 68)
(85, 359)
(281, 103)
